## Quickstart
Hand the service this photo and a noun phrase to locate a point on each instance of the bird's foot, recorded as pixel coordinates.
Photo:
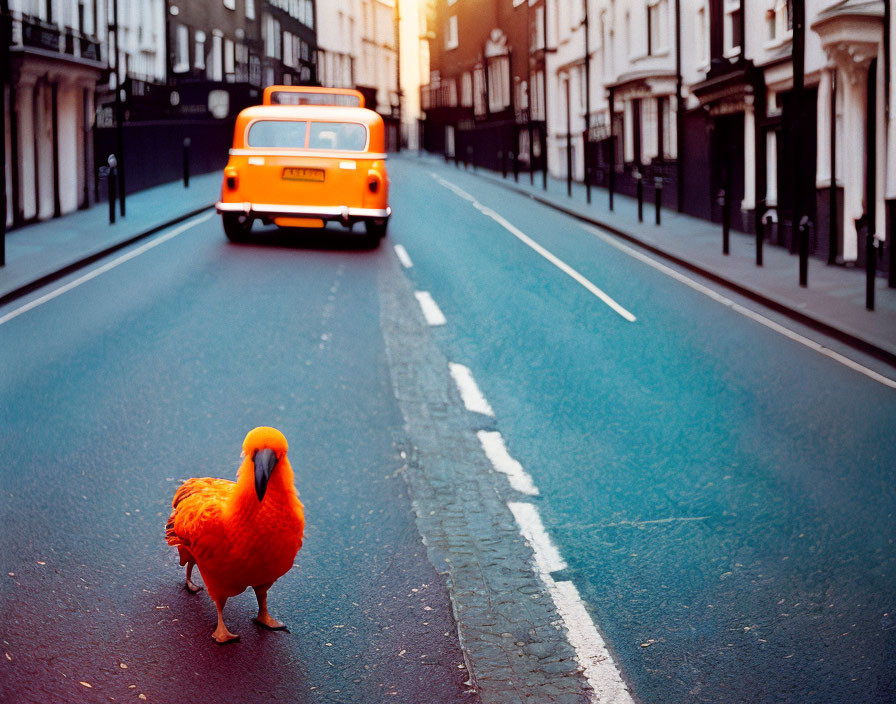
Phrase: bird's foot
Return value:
(223, 636)
(192, 588)
(270, 623)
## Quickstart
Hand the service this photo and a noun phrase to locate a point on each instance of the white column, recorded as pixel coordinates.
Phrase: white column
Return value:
(771, 169)
(823, 141)
(880, 177)
(854, 156)
(27, 124)
(749, 201)
(890, 193)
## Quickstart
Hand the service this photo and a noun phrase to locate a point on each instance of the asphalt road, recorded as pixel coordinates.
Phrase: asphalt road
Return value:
(153, 372)
(722, 497)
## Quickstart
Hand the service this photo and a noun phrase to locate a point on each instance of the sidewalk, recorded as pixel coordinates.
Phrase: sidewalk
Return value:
(38, 253)
(833, 302)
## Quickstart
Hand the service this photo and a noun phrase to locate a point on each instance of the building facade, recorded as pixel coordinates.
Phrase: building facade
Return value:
(484, 56)
(704, 99)
(154, 82)
(358, 48)
(56, 58)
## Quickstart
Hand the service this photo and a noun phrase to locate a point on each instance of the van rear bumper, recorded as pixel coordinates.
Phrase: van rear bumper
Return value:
(326, 212)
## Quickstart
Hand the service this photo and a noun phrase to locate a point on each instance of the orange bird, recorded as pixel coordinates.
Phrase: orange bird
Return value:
(240, 534)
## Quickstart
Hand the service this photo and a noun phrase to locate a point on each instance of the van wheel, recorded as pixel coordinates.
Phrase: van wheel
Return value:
(237, 226)
(376, 229)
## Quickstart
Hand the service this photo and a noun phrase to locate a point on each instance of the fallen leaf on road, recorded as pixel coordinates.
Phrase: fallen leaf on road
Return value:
(648, 643)
(86, 684)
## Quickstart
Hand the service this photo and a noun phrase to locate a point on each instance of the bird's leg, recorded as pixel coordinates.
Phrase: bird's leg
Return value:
(221, 634)
(264, 618)
(191, 587)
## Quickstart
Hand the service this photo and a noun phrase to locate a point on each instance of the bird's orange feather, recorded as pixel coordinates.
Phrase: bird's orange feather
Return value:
(236, 540)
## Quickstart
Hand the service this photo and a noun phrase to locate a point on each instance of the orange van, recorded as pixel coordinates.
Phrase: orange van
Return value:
(312, 95)
(304, 166)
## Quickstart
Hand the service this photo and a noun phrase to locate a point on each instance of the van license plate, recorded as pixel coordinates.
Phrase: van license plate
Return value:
(295, 173)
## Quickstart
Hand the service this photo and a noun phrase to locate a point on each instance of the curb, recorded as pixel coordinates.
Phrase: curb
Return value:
(89, 259)
(857, 343)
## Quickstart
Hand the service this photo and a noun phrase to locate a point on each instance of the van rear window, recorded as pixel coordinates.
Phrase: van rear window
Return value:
(283, 97)
(277, 134)
(288, 134)
(344, 136)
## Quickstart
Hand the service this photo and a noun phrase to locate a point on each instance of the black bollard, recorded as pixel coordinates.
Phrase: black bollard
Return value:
(760, 231)
(726, 220)
(804, 250)
(658, 196)
(863, 228)
(516, 166)
(112, 181)
(639, 187)
(502, 163)
(186, 162)
(470, 158)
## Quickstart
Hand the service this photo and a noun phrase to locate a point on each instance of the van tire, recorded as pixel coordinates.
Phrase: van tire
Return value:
(377, 228)
(237, 226)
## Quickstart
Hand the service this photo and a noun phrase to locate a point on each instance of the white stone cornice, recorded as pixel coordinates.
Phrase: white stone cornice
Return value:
(851, 33)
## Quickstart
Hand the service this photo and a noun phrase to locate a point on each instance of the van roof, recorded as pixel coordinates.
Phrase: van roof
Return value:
(267, 98)
(324, 113)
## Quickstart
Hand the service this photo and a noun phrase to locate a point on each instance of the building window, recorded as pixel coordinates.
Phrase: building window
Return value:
(466, 90)
(479, 91)
(272, 44)
(229, 60)
(779, 20)
(215, 67)
(199, 53)
(451, 33)
(181, 49)
(451, 89)
(250, 9)
(657, 22)
(498, 83)
(702, 32)
(230, 4)
(733, 37)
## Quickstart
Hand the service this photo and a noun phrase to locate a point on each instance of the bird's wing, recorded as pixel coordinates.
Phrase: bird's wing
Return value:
(198, 506)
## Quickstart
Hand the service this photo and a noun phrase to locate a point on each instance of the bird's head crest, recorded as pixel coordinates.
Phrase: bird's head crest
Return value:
(265, 438)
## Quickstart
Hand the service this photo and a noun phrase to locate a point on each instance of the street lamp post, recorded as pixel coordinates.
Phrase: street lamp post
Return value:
(568, 143)
(119, 112)
(5, 78)
(544, 27)
(611, 177)
(585, 156)
(799, 224)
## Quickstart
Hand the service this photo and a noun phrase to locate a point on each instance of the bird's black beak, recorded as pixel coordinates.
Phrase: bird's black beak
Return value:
(265, 460)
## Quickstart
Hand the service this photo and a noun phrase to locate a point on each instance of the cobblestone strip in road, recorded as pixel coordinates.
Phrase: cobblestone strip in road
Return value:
(509, 629)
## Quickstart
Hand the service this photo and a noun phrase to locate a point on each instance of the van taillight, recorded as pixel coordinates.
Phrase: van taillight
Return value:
(373, 184)
(231, 178)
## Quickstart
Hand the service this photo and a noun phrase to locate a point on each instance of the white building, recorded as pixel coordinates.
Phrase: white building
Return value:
(59, 51)
(56, 60)
(741, 129)
(357, 49)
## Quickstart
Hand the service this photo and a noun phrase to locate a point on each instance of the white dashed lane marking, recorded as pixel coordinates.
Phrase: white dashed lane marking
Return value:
(469, 391)
(403, 257)
(591, 651)
(528, 241)
(496, 451)
(431, 310)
